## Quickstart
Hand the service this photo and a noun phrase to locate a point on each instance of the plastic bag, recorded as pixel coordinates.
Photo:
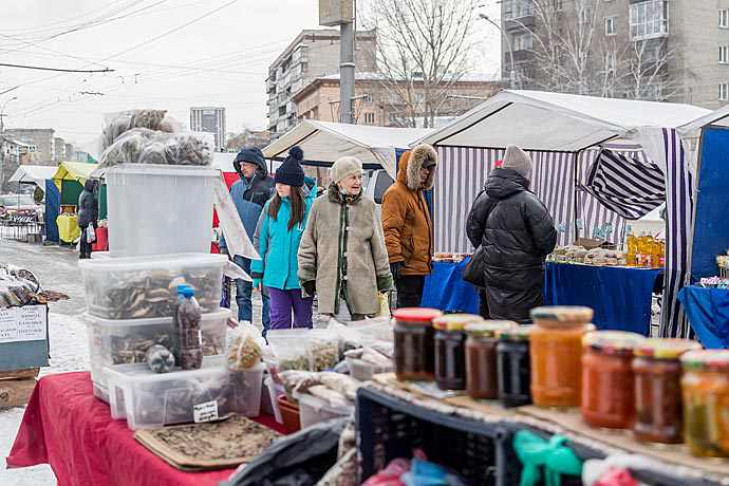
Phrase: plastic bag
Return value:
(323, 349)
(90, 234)
(117, 124)
(144, 146)
(245, 349)
(384, 301)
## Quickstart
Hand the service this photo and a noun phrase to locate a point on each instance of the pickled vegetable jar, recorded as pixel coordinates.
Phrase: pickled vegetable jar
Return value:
(608, 385)
(450, 350)
(514, 374)
(481, 368)
(658, 403)
(705, 385)
(555, 353)
(414, 343)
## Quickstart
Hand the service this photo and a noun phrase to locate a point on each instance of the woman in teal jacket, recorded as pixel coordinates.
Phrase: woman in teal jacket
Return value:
(282, 224)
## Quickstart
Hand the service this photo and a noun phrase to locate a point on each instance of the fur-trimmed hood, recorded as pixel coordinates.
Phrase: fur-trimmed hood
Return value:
(410, 164)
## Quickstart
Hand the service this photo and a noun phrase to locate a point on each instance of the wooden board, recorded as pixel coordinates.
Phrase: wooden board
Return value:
(16, 393)
(19, 374)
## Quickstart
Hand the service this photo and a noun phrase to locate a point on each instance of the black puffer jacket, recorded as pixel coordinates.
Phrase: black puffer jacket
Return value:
(517, 233)
(88, 205)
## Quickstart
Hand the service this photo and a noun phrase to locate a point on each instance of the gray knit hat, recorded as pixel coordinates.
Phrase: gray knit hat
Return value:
(518, 160)
(345, 167)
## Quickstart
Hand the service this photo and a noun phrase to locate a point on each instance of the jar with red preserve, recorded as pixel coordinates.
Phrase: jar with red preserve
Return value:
(608, 385)
(658, 402)
(450, 350)
(414, 343)
(482, 375)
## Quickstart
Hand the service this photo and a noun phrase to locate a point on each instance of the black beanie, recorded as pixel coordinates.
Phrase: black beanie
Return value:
(290, 172)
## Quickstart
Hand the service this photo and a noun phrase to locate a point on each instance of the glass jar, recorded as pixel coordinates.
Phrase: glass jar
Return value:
(658, 403)
(514, 373)
(450, 350)
(481, 368)
(414, 343)
(608, 385)
(555, 353)
(705, 386)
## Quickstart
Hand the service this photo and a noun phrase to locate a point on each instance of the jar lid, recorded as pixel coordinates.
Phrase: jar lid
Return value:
(417, 315)
(455, 322)
(670, 348)
(518, 333)
(562, 316)
(706, 360)
(489, 328)
(612, 341)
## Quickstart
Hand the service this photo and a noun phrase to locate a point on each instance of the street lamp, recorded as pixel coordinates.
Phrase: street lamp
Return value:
(512, 72)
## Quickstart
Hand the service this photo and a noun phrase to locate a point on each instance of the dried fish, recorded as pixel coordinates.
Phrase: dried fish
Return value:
(160, 359)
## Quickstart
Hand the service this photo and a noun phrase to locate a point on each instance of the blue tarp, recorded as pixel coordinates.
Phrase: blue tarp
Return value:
(446, 290)
(53, 206)
(708, 314)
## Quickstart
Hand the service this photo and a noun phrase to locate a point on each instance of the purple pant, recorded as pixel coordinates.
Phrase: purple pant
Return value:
(283, 302)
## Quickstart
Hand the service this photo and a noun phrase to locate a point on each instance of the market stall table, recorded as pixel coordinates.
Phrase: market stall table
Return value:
(66, 427)
(708, 314)
(620, 296)
(446, 290)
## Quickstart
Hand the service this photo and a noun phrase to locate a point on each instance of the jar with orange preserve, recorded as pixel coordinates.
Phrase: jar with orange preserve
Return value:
(450, 350)
(705, 387)
(414, 343)
(555, 354)
(658, 403)
(608, 384)
(482, 377)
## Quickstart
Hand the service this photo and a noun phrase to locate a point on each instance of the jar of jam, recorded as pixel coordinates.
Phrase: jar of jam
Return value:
(450, 350)
(514, 373)
(555, 354)
(608, 385)
(705, 386)
(658, 403)
(414, 343)
(481, 369)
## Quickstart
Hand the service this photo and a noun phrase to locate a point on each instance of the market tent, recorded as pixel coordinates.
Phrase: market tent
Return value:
(324, 142)
(563, 133)
(34, 174)
(73, 171)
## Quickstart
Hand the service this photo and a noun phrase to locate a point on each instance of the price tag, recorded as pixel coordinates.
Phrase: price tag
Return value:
(205, 412)
(26, 323)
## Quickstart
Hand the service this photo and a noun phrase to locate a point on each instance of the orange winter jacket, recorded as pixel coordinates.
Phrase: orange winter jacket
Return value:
(405, 215)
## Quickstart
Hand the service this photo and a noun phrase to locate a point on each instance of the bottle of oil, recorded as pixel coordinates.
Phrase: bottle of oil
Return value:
(632, 248)
(643, 250)
(659, 254)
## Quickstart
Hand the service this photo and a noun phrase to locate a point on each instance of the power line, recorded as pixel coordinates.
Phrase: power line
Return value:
(61, 70)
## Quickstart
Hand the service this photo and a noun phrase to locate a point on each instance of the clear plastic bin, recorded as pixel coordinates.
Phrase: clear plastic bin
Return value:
(127, 341)
(160, 209)
(145, 287)
(314, 410)
(274, 391)
(155, 400)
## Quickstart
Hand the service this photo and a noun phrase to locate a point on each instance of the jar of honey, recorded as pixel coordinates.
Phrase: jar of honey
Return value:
(658, 402)
(414, 343)
(481, 368)
(450, 350)
(705, 386)
(512, 362)
(555, 354)
(608, 385)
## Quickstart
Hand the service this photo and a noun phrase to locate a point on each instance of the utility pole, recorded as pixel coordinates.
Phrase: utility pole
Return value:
(341, 13)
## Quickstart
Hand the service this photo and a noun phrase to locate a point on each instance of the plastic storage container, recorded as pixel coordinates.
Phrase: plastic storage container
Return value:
(313, 410)
(274, 391)
(145, 287)
(414, 343)
(160, 209)
(126, 341)
(155, 400)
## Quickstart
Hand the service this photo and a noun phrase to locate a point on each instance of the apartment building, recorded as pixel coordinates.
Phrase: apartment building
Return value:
(210, 120)
(40, 138)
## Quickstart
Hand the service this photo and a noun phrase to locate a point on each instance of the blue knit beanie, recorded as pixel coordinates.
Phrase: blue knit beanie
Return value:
(290, 172)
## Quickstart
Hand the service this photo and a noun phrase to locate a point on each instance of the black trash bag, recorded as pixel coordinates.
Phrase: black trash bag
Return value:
(301, 459)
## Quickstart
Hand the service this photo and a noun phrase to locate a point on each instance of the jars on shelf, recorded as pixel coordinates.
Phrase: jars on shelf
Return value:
(414, 343)
(450, 350)
(555, 354)
(481, 358)
(705, 386)
(608, 385)
(514, 373)
(658, 402)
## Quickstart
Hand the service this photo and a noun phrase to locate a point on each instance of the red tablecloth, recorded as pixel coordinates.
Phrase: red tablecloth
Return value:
(67, 427)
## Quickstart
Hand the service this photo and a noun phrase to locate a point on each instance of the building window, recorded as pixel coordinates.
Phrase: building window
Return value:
(559, 5)
(369, 118)
(523, 42)
(724, 92)
(516, 9)
(649, 19)
(610, 62)
(724, 55)
(724, 19)
(611, 26)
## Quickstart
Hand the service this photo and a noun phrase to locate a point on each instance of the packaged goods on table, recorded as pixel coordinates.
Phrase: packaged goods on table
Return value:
(414, 343)
(514, 366)
(608, 385)
(555, 353)
(188, 319)
(450, 350)
(160, 359)
(481, 367)
(365, 362)
(658, 401)
(151, 147)
(245, 349)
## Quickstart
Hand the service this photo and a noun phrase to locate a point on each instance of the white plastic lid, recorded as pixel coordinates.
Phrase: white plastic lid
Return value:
(206, 320)
(153, 262)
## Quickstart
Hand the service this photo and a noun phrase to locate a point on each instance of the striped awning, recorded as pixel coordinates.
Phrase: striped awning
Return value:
(624, 185)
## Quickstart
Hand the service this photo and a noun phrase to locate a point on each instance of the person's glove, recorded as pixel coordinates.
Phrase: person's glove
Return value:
(395, 268)
(309, 287)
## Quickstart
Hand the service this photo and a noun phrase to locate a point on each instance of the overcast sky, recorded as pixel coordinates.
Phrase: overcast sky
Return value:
(159, 60)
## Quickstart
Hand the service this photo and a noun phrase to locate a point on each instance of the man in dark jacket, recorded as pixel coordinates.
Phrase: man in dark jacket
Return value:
(517, 233)
(88, 214)
(250, 194)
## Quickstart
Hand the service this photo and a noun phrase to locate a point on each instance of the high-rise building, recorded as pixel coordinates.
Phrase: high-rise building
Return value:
(661, 50)
(59, 149)
(211, 120)
(41, 138)
(312, 55)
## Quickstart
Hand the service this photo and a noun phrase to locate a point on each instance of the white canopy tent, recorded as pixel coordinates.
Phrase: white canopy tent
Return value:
(324, 142)
(33, 174)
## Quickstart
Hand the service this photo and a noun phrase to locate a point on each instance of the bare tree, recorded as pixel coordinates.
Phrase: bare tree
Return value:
(423, 48)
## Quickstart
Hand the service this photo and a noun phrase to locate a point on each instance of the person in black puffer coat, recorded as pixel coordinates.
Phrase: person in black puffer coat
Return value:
(88, 214)
(517, 233)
